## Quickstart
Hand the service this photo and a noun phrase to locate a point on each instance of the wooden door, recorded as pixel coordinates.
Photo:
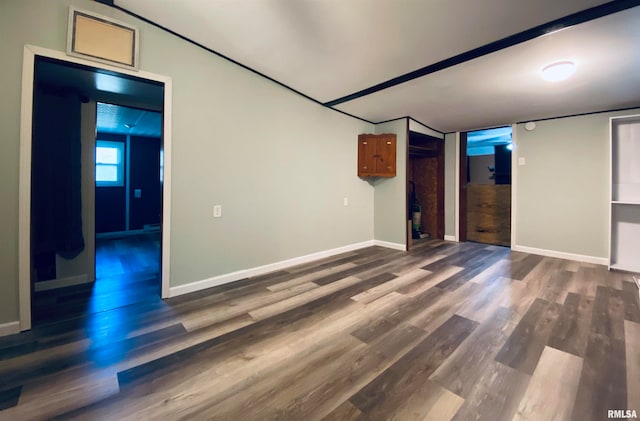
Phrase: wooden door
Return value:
(386, 155)
(366, 155)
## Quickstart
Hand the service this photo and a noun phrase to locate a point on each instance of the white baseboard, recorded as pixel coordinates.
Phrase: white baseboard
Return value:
(61, 283)
(261, 270)
(449, 238)
(9, 328)
(562, 255)
(395, 246)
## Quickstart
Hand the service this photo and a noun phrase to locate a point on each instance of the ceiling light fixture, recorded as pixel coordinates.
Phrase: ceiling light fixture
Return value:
(129, 125)
(561, 70)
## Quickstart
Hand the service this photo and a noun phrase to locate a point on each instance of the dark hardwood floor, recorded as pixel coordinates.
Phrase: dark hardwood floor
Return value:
(445, 332)
(127, 272)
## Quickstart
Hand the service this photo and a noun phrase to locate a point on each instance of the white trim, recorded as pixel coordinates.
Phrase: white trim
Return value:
(389, 245)
(514, 181)
(562, 255)
(450, 238)
(456, 199)
(610, 226)
(261, 270)
(9, 328)
(165, 260)
(24, 206)
(24, 187)
(61, 283)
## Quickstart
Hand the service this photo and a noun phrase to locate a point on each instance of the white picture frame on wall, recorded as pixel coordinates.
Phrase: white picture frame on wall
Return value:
(99, 38)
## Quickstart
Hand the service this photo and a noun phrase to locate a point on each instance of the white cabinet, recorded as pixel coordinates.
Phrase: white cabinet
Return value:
(624, 244)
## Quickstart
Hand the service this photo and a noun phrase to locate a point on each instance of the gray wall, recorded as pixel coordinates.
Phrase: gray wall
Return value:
(449, 184)
(390, 214)
(563, 188)
(278, 164)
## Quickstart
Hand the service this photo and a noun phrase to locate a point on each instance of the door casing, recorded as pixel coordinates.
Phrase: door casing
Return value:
(24, 202)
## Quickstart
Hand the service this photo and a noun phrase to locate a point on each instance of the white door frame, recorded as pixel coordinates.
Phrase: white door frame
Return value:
(24, 208)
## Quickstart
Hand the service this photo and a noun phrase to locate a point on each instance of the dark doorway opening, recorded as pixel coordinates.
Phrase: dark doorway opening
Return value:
(425, 177)
(69, 277)
(485, 186)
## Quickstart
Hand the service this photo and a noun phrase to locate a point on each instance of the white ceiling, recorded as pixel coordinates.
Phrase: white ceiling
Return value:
(328, 49)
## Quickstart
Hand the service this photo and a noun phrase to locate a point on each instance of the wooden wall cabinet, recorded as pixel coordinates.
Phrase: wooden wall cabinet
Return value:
(377, 155)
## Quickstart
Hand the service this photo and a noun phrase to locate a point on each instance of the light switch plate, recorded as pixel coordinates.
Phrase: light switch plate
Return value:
(521, 161)
(217, 211)
(345, 201)
(137, 193)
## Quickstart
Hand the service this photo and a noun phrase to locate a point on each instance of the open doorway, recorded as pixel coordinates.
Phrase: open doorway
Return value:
(425, 188)
(485, 186)
(128, 188)
(67, 163)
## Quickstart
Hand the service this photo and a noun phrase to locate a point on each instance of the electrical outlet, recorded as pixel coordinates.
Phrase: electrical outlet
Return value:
(217, 211)
(345, 201)
(520, 161)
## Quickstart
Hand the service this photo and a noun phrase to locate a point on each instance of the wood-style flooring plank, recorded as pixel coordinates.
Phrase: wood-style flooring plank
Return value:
(521, 268)
(303, 298)
(497, 395)
(445, 306)
(313, 389)
(405, 310)
(584, 282)
(429, 402)
(631, 300)
(608, 313)
(393, 285)
(9, 397)
(552, 388)
(381, 397)
(429, 281)
(416, 344)
(525, 345)
(603, 380)
(465, 368)
(632, 343)
(310, 277)
(346, 412)
(603, 384)
(571, 331)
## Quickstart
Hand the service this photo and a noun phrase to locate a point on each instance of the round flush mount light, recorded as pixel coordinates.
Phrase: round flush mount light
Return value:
(561, 70)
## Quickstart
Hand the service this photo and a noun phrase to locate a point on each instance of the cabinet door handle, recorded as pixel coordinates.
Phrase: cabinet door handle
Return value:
(388, 143)
(364, 143)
